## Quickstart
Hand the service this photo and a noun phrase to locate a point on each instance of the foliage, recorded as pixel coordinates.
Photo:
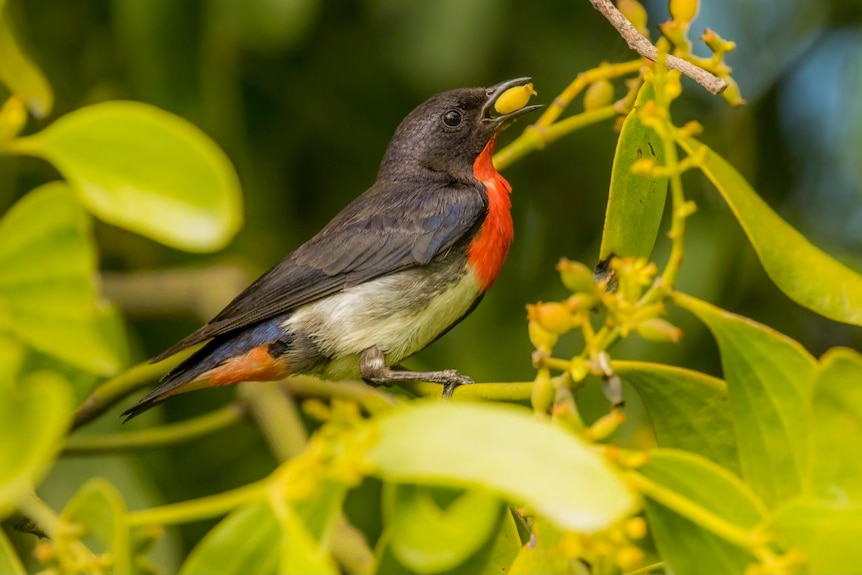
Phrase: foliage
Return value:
(755, 472)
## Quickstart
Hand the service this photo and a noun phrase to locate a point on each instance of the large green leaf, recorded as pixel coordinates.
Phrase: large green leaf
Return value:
(429, 539)
(505, 450)
(827, 533)
(20, 75)
(768, 377)
(34, 415)
(498, 553)
(688, 410)
(10, 563)
(685, 546)
(545, 553)
(635, 202)
(99, 510)
(146, 170)
(835, 471)
(806, 274)
(48, 293)
(246, 541)
(299, 551)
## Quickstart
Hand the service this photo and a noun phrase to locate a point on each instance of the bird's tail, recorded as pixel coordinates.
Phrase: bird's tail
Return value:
(246, 357)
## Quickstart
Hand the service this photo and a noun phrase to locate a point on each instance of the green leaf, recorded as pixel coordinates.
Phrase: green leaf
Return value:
(429, 539)
(546, 552)
(246, 541)
(685, 546)
(827, 533)
(498, 553)
(48, 293)
(20, 75)
(100, 510)
(768, 377)
(33, 417)
(688, 410)
(505, 450)
(635, 202)
(835, 471)
(10, 563)
(300, 552)
(146, 170)
(803, 272)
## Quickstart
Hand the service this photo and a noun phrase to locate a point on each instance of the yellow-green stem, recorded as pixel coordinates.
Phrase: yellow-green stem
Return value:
(198, 509)
(535, 138)
(116, 388)
(693, 512)
(97, 444)
(520, 391)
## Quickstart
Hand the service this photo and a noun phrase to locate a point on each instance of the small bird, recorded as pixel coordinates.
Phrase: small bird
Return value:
(396, 269)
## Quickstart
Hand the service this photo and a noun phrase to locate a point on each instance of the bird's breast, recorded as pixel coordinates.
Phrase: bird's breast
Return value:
(400, 313)
(488, 250)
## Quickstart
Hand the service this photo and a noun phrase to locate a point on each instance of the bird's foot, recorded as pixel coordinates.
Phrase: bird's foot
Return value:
(373, 368)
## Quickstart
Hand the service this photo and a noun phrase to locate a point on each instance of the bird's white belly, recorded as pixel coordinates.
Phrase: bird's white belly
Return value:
(400, 314)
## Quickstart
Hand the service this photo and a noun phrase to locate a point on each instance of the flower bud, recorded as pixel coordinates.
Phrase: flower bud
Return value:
(579, 369)
(542, 393)
(553, 317)
(683, 11)
(599, 94)
(635, 528)
(634, 13)
(658, 329)
(732, 93)
(542, 339)
(514, 99)
(577, 277)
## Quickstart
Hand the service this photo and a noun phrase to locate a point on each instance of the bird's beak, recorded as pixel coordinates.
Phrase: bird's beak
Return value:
(489, 113)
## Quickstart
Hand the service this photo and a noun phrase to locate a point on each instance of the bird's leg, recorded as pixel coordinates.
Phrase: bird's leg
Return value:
(373, 368)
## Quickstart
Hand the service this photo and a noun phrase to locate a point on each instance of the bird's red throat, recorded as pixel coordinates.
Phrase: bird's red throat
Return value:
(489, 248)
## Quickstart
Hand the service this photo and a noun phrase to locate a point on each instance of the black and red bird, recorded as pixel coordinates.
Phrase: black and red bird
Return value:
(393, 271)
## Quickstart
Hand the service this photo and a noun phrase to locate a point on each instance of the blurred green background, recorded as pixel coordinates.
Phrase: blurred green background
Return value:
(303, 95)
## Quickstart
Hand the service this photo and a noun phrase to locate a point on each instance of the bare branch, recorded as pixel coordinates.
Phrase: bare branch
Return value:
(645, 48)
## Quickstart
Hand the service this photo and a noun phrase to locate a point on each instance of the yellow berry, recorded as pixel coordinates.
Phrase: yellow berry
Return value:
(598, 95)
(514, 99)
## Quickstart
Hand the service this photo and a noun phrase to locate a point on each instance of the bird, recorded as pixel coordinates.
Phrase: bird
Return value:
(396, 269)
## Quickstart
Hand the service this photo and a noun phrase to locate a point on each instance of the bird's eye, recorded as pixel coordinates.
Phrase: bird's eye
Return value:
(452, 118)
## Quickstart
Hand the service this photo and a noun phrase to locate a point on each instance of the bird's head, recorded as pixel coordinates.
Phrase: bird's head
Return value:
(446, 133)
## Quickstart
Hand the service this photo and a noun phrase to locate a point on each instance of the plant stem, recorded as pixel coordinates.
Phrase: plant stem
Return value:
(645, 48)
(371, 399)
(678, 216)
(157, 436)
(537, 137)
(276, 416)
(39, 513)
(201, 508)
(115, 389)
(519, 391)
(693, 512)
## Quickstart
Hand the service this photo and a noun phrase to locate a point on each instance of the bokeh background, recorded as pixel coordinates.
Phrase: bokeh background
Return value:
(304, 95)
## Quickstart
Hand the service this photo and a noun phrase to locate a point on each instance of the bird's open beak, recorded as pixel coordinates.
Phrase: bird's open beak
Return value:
(490, 114)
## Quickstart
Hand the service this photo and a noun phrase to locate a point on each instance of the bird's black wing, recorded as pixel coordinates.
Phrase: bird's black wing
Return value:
(391, 227)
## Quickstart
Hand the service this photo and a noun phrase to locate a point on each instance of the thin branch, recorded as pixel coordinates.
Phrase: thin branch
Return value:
(515, 391)
(645, 48)
(97, 444)
(114, 390)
